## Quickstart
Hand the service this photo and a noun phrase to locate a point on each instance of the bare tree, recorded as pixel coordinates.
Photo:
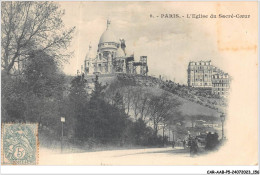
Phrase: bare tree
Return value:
(160, 109)
(31, 26)
(175, 122)
(127, 98)
(144, 105)
(136, 99)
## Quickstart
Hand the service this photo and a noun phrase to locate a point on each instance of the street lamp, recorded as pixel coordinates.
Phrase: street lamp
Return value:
(222, 117)
(169, 139)
(62, 119)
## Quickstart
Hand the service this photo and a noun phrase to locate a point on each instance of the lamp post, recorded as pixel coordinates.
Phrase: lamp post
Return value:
(173, 135)
(222, 117)
(62, 119)
(169, 139)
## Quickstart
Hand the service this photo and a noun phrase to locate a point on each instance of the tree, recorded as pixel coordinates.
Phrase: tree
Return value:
(31, 26)
(96, 105)
(136, 99)
(144, 107)
(79, 108)
(161, 107)
(13, 102)
(107, 120)
(127, 91)
(24, 98)
(118, 101)
(177, 123)
(78, 93)
(140, 132)
(42, 75)
(98, 91)
(44, 88)
(110, 123)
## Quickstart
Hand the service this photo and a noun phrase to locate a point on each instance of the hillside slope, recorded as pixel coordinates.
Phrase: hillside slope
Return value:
(190, 95)
(191, 104)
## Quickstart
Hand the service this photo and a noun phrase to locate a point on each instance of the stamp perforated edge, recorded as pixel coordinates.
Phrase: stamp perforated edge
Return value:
(37, 143)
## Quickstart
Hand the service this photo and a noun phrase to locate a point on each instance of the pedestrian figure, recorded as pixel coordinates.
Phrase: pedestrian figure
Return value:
(215, 140)
(190, 145)
(208, 141)
(193, 147)
(196, 147)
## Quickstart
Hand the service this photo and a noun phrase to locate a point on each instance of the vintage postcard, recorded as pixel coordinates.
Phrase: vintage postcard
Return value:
(129, 83)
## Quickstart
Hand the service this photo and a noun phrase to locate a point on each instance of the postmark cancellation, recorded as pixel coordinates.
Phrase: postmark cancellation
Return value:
(19, 144)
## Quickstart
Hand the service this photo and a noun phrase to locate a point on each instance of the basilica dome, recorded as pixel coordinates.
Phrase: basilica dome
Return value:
(108, 36)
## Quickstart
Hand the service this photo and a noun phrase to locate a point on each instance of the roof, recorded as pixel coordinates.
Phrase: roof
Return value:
(120, 52)
(91, 54)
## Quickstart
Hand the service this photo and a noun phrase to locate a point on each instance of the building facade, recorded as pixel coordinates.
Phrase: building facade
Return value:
(220, 84)
(203, 74)
(111, 57)
(199, 74)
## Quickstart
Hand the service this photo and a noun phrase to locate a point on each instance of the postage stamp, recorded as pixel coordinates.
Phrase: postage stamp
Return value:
(19, 144)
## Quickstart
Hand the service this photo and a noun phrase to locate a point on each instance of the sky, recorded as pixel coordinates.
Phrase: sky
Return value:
(169, 44)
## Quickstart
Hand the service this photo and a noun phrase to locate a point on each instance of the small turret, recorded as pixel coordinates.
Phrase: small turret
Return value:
(88, 60)
(123, 46)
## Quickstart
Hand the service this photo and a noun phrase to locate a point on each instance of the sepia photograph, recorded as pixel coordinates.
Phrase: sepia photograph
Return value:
(129, 83)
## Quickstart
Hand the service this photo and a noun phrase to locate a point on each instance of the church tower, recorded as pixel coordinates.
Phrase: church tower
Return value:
(88, 63)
